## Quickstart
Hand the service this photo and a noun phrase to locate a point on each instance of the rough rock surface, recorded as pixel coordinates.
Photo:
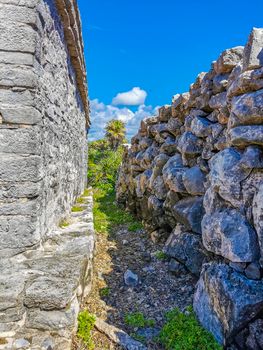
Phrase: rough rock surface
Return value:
(202, 188)
(43, 157)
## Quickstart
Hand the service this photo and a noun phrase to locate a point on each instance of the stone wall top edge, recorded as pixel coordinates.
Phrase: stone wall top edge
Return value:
(71, 21)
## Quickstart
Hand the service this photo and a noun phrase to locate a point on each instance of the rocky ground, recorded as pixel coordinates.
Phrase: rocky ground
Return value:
(156, 291)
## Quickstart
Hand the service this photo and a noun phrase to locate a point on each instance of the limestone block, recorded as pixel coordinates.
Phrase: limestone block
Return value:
(22, 77)
(22, 140)
(189, 144)
(227, 174)
(235, 309)
(19, 14)
(243, 136)
(20, 38)
(18, 233)
(201, 127)
(186, 248)
(20, 115)
(253, 53)
(189, 212)
(218, 101)
(194, 180)
(247, 109)
(229, 59)
(20, 168)
(227, 233)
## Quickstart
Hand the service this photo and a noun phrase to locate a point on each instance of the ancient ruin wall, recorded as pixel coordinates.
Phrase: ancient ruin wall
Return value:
(45, 270)
(43, 118)
(194, 175)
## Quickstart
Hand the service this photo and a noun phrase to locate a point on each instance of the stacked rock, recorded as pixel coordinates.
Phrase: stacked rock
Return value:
(194, 175)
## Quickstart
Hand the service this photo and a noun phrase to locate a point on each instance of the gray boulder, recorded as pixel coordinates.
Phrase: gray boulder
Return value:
(220, 305)
(247, 109)
(243, 136)
(227, 233)
(229, 59)
(201, 127)
(193, 180)
(253, 53)
(189, 144)
(227, 174)
(189, 211)
(187, 248)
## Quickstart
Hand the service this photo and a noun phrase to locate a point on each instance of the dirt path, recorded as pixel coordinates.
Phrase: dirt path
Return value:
(156, 292)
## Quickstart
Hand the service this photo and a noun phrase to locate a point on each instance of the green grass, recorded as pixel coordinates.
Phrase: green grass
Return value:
(77, 209)
(105, 292)
(138, 320)
(87, 192)
(80, 200)
(161, 255)
(86, 323)
(107, 215)
(64, 223)
(183, 332)
(135, 226)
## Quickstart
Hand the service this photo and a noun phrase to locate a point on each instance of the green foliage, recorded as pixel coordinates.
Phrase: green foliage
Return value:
(105, 292)
(107, 215)
(135, 226)
(183, 332)
(103, 165)
(76, 209)
(115, 133)
(64, 223)
(86, 323)
(80, 200)
(161, 255)
(137, 320)
(103, 169)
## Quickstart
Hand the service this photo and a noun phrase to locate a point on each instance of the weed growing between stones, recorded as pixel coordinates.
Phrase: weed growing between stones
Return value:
(161, 255)
(183, 332)
(104, 292)
(64, 223)
(135, 226)
(138, 320)
(77, 209)
(86, 323)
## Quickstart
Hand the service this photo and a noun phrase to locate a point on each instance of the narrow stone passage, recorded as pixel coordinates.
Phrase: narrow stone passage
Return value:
(157, 290)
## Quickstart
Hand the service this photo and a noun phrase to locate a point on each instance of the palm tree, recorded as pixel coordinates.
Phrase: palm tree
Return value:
(115, 133)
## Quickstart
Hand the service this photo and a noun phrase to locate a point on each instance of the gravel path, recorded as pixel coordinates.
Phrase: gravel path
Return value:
(156, 292)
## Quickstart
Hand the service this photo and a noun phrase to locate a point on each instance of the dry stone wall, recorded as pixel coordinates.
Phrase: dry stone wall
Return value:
(194, 175)
(45, 271)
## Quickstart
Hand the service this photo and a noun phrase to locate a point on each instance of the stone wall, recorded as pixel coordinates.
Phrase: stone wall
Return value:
(194, 175)
(44, 116)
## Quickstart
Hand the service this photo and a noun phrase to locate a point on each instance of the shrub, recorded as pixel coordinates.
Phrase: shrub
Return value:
(86, 323)
(183, 332)
(137, 319)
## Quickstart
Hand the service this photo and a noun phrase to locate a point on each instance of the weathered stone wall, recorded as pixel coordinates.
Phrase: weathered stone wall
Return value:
(43, 158)
(194, 175)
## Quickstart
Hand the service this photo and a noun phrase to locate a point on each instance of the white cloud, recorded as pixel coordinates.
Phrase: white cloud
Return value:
(134, 97)
(101, 114)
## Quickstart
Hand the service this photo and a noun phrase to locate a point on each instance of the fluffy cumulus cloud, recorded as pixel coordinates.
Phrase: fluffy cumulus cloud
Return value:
(134, 97)
(102, 113)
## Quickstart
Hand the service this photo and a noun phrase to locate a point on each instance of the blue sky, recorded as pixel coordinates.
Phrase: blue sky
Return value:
(157, 46)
